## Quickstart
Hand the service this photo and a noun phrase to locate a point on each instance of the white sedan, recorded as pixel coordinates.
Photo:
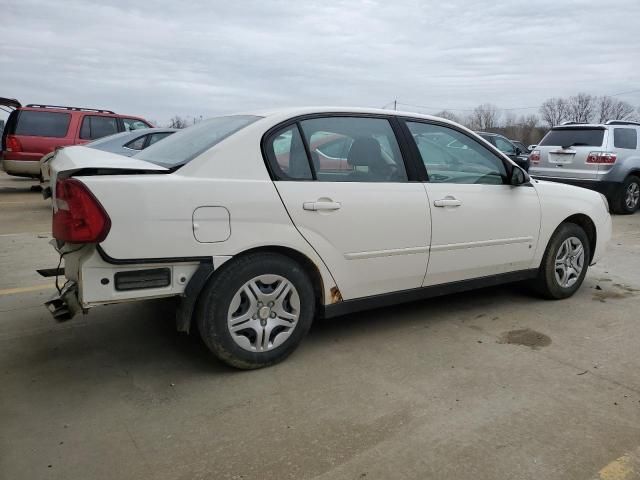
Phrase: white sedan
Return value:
(260, 223)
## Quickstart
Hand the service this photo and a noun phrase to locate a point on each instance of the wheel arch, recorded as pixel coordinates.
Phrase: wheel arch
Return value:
(585, 222)
(188, 306)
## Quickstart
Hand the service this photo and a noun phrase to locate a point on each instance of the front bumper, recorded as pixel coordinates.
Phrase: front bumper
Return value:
(607, 188)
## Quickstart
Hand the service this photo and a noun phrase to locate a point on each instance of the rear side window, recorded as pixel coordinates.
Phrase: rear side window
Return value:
(42, 124)
(573, 137)
(625, 138)
(94, 126)
(137, 144)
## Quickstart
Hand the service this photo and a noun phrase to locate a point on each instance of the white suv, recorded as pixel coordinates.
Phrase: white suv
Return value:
(259, 223)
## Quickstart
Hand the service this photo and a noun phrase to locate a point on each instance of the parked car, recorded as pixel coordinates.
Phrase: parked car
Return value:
(602, 157)
(35, 130)
(125, 143)
(256, 249)
(508, 148)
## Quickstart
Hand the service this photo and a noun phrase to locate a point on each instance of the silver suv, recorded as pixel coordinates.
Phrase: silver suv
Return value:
(602, 157)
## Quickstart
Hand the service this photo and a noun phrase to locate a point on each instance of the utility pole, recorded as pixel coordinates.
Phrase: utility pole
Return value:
(395, 104)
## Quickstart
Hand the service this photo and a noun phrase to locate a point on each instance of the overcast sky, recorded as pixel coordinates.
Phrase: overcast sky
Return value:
(161, 58)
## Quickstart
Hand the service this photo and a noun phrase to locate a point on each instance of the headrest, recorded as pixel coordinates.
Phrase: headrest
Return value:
(365, 152)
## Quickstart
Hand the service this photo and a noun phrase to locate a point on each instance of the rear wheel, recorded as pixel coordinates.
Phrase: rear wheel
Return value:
(257, 310)
(628, 198)
(565, 262)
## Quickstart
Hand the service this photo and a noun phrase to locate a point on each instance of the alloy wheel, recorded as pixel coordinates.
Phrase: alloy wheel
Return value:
(569, 262)
(632, 196)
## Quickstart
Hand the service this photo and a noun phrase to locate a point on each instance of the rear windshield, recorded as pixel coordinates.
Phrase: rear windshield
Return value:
(573, 137)
(185, 145)
(42, 124)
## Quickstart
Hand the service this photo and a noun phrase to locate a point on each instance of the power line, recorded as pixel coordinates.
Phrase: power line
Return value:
(439, 109)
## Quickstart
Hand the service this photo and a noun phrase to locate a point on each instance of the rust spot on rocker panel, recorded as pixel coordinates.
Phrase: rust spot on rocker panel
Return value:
(336, 296)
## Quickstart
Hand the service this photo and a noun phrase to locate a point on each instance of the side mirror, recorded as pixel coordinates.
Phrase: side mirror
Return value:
(518, 151)
(532, 147)
(518, 176)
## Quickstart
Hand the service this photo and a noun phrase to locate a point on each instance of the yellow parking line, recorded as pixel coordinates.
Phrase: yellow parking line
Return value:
(623, 468)
(33, 288)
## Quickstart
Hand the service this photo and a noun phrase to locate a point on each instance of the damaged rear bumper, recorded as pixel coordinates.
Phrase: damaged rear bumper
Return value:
(65, 304)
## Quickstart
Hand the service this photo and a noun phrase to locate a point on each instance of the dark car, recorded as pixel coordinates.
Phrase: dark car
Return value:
(35, 130)
(506, 146)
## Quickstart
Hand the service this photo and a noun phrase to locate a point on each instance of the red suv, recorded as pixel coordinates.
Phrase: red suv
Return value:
(35, 130)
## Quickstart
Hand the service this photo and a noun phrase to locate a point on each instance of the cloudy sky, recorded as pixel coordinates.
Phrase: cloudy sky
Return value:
(192, 58)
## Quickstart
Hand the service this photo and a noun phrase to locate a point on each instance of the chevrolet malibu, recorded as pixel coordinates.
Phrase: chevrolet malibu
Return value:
(260, 223)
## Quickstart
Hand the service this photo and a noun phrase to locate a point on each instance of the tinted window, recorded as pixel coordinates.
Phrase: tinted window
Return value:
(578, 137)
(137, 144)
(369, 152)
(183, 146)
(42, 124)
(625, 138)
(94, 126)
(454, 157)
(505, 146)
(287, 154)
(133, 124)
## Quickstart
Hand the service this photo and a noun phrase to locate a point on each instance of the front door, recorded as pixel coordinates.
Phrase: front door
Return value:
(481, 225)
(357, 209)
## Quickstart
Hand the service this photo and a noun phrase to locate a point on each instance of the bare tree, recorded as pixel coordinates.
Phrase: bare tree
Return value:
(582, 108)
(554, 111)
(609, 108)
(178, 122)
(484, 117)
(448, 115)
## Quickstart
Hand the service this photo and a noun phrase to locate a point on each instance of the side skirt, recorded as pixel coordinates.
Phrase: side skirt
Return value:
(404, 296)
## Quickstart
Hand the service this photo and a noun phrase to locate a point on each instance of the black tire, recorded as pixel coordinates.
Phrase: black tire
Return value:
(546, 283)
(215, 301)
(619, 203)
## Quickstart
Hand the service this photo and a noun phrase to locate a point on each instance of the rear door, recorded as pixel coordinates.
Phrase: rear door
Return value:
(365, 218)
(564, 151)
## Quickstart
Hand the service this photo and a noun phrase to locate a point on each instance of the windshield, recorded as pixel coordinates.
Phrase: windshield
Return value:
(570, 137)
(185, 145)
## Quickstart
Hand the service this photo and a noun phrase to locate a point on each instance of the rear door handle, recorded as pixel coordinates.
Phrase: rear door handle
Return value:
(448, 201)
(321, 205)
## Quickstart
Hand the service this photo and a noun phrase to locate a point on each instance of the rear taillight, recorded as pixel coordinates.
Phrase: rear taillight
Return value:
(79, 217)
(13, 144)
(605, 158)
(534, 157)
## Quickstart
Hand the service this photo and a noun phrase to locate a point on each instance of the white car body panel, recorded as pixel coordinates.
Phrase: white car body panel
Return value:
(386, 237)
(376, 242)
(493, 231)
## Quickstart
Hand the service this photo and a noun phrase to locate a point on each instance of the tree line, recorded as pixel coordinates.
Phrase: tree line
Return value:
(582, 108)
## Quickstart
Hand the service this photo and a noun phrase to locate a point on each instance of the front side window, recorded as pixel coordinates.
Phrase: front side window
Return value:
(353, 149)
(94, 126)
(505, 146)
(42, 124)
(133, 124)
(625, 138)
(455, 157)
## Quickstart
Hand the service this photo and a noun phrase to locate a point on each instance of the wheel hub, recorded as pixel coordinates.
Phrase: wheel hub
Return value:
(569, 262)
(263, 313)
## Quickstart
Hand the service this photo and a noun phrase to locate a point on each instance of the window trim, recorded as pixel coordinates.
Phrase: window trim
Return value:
(409, 160)
(508, 165)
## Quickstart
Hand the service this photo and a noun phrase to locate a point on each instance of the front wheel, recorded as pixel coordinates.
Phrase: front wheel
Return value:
(565, 262)
(256, 310)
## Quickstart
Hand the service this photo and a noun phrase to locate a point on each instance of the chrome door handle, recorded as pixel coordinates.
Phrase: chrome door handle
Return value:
(321, 206)
(448, 201)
